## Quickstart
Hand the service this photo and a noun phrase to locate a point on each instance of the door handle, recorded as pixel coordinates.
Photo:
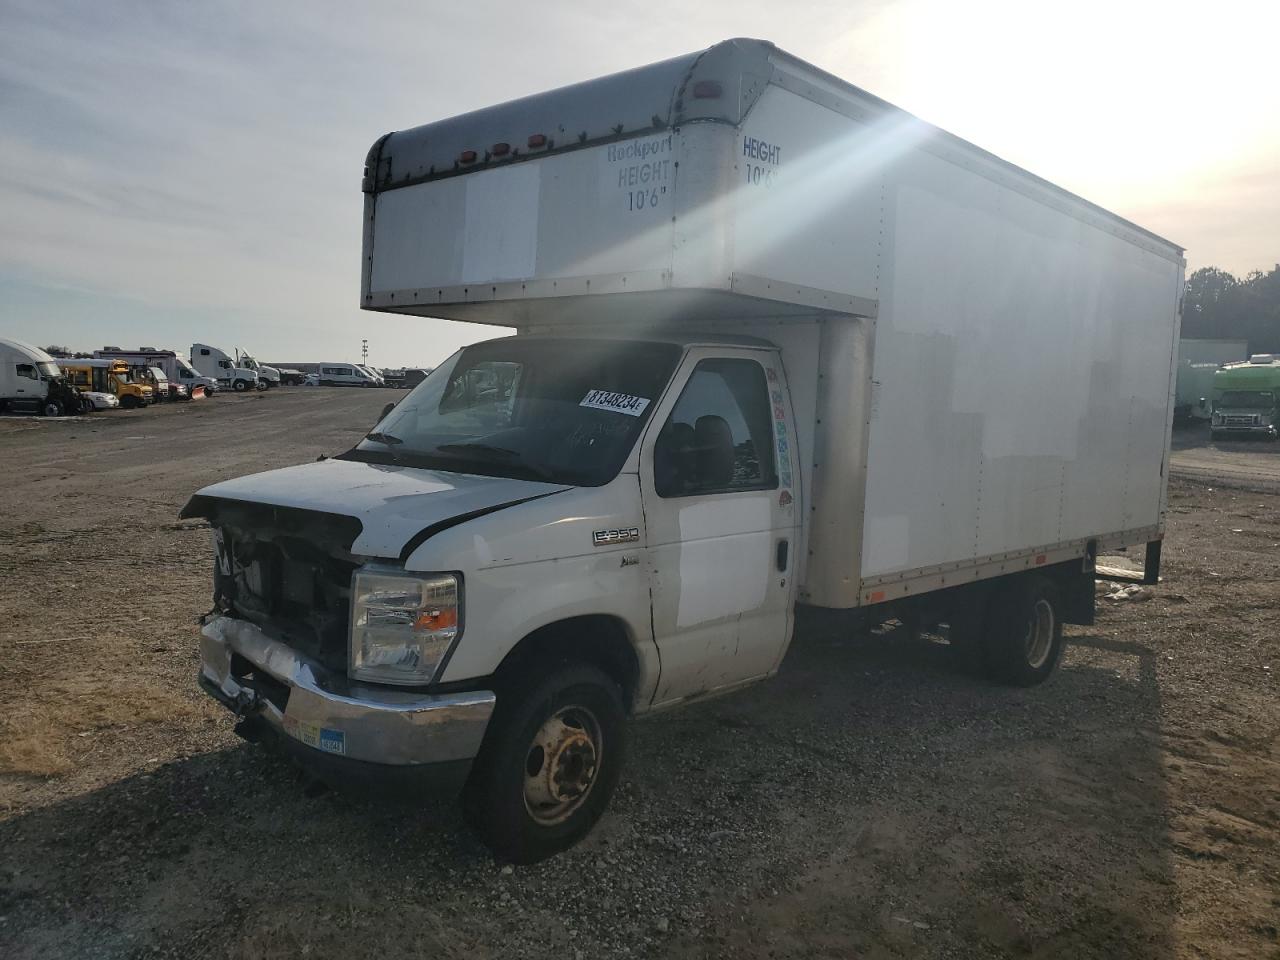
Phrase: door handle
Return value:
(781, 557)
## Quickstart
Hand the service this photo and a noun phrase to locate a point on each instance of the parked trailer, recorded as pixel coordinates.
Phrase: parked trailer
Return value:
(779, 344)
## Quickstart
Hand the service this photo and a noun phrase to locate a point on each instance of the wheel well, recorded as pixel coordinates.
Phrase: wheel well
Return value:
(600, 640)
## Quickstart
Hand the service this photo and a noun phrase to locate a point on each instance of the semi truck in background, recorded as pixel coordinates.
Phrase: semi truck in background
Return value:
(174, 366)
(758, 314)
(1246, 399)
(32, 382)
(211, 362)
(270, 376)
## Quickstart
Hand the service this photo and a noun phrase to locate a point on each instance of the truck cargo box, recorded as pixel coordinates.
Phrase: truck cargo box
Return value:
(988, 381)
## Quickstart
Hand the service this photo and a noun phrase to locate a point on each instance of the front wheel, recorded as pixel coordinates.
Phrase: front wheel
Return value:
(52, 408)
(549, 764)
(240, 386)
(1023, 640)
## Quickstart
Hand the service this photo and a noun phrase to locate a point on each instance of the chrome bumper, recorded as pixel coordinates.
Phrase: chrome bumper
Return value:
(331, 714)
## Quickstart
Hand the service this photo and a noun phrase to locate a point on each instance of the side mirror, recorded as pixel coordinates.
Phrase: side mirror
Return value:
(385, 410)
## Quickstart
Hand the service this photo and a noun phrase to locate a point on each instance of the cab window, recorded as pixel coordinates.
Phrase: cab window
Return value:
(28, 370)
(719, 437)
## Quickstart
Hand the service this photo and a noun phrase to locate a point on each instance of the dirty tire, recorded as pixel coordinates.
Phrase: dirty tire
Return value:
(52, 408)
(240, 386)
(1022, 642)
(497, 801)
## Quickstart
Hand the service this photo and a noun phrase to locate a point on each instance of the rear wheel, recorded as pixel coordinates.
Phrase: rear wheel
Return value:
(1023, 636)
(549, 763)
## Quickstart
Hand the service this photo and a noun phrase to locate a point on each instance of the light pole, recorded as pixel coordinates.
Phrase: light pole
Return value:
(364, 352)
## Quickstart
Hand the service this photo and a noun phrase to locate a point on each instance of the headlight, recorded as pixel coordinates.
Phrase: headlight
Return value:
(402, 625)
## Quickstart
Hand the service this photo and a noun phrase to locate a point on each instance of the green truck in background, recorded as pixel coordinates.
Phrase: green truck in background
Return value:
(1245, 398)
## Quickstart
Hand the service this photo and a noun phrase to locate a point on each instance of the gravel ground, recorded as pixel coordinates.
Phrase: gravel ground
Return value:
(873, 801)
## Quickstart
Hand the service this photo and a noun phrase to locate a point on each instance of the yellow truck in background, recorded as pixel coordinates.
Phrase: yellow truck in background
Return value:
(108, 376)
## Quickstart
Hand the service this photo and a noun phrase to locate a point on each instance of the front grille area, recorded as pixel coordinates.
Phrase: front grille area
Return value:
(287, 570)
(293, 591)
(1240, 421)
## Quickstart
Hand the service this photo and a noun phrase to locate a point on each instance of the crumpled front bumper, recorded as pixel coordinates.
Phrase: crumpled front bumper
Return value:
(329, 719)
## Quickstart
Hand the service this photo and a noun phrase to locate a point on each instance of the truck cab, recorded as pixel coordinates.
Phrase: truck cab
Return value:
(268, 376)
(1246, 399)
(209, 361)
(31, 381)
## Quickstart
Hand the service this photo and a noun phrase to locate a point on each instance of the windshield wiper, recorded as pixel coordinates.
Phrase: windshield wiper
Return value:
(487, 451)
(385, 438)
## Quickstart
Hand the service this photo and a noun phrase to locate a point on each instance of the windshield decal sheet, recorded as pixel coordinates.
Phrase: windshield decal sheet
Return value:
(615, 402)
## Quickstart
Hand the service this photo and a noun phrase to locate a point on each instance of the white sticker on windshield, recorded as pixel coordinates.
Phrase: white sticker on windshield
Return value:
(615, 402)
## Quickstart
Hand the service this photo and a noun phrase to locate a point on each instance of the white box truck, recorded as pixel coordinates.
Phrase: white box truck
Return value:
(780, 345)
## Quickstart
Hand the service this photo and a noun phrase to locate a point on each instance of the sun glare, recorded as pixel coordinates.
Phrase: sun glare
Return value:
(1104, 96)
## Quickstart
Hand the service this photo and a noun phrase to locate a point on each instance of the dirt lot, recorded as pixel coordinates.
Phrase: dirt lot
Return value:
(872, 802)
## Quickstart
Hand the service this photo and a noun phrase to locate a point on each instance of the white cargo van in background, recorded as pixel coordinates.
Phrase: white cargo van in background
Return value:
(779, 345)
(344, 375)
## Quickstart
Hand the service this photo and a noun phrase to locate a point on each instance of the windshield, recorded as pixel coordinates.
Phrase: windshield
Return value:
(564, 411)
(48, 369)
(1250, 399)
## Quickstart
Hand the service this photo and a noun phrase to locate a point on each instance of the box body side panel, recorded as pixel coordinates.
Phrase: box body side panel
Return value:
(1021, 378)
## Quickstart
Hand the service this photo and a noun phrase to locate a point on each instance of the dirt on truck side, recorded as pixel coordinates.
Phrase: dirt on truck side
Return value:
(876, 800)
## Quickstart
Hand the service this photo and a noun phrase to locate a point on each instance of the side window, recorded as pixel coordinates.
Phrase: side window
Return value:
(28, 370)
(204, 353)
(719, 437)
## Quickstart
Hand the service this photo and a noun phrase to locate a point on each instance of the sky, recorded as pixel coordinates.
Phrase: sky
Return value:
(172, 173)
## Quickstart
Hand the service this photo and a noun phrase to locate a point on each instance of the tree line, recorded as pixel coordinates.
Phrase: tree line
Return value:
(1217, 304)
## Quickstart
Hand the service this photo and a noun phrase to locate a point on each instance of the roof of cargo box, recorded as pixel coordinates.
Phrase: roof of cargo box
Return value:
(719, 85)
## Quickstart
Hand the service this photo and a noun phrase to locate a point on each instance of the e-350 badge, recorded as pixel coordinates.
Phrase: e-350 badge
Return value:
(607, 538)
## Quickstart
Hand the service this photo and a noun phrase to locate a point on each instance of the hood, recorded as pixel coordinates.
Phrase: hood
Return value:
(397, 507)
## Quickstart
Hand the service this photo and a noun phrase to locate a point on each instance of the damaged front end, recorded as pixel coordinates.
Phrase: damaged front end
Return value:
(274, 650)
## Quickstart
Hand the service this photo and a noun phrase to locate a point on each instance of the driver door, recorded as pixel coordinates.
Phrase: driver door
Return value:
(722, 520)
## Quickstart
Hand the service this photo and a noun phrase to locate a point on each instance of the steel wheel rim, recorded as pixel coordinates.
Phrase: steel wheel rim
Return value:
(1039, 639)
(562, 765)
